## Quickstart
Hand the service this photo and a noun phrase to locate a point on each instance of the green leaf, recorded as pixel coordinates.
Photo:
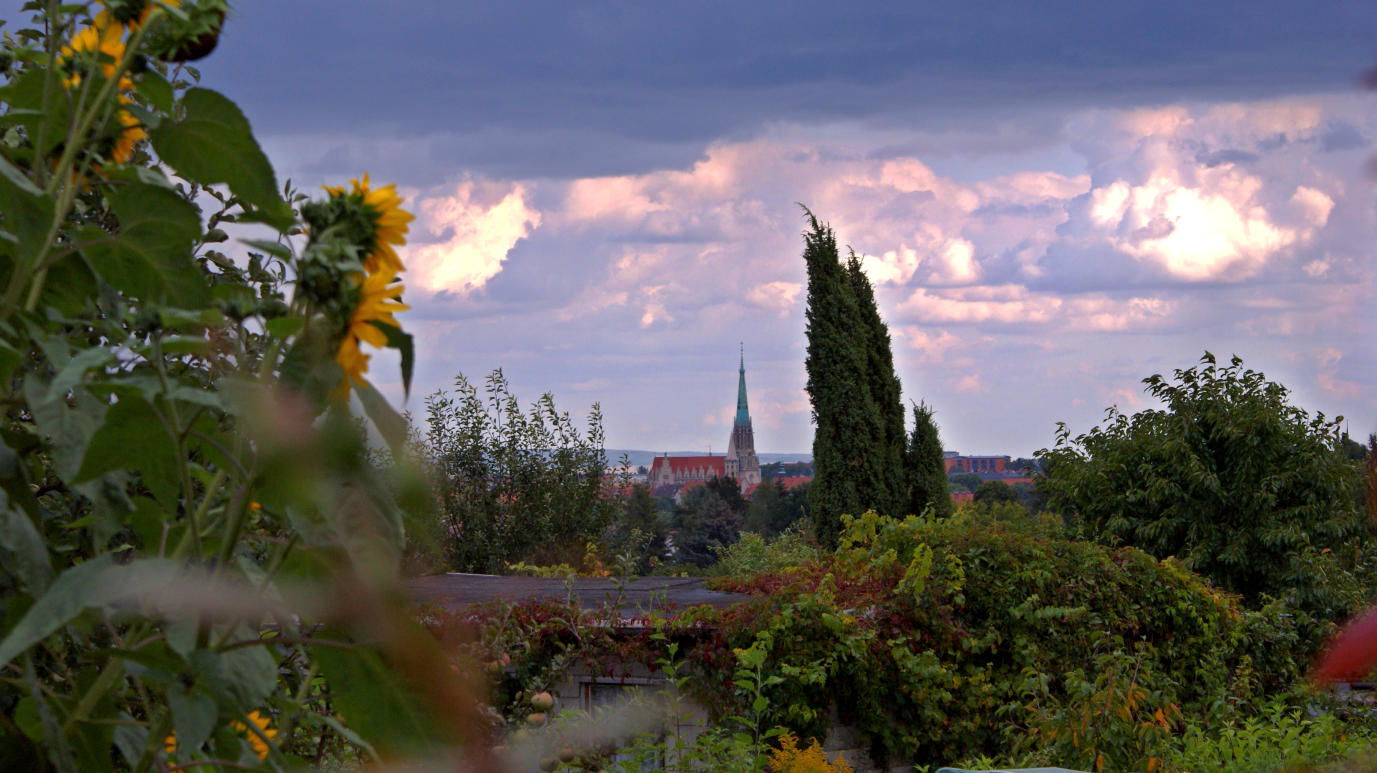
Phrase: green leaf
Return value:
(74, 371)
(151, 256)
(11, 174)
(96, 584)
(9, 360)
(391, 426)
(132, 423)
(402, 342)
(27, 553)
(213, 143)
(275, 249)
(24, 99)
(193, 716)
(373, 700)
(156, 90)
(14, 480)
(70, 286)
(284, 327)
(67, 429)
(28, 215)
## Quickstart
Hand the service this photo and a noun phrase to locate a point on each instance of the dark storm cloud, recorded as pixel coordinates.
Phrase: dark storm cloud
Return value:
(628, 85)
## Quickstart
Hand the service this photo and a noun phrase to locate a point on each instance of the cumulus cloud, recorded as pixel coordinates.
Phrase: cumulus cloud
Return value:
(932, 346)
(778, 296)
(471, 231)
(1190, 223)
(1327, 377)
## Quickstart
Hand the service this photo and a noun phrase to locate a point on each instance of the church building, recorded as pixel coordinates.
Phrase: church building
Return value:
(740, 461)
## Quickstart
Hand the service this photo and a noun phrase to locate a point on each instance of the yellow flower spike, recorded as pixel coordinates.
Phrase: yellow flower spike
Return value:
(390, 223)
(378, 295)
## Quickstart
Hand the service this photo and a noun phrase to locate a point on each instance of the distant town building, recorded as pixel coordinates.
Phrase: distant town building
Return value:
(978, 464)
(740, 461)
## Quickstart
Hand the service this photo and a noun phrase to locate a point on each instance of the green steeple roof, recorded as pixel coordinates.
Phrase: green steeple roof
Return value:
(743, 414)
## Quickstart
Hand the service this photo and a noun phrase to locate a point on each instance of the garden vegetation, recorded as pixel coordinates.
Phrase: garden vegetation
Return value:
(201, 550)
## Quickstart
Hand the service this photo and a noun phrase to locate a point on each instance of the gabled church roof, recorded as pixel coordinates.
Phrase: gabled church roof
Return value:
(717, 464)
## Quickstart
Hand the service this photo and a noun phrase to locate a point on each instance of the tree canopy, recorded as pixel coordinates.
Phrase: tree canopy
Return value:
(1229, 477)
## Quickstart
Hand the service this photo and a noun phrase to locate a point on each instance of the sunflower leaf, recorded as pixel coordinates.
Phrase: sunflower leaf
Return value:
(151, 258)
(403, 343)
(213, 121)
(391, 426)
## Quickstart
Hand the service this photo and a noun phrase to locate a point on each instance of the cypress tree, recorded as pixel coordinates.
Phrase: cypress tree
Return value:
(927, 475)
(887, 436)
(857, 465)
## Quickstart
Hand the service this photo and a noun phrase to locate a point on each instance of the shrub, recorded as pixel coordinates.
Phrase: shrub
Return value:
(940, 641)
(753, 553)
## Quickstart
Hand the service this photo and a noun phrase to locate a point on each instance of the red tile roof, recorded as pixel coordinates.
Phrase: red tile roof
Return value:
(715, 464)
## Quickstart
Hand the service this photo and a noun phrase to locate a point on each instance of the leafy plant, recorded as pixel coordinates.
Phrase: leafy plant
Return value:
(198, 552)
(514, 484)
(1229, 477)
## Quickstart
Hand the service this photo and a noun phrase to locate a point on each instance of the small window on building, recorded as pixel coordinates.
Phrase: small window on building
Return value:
(606, 695)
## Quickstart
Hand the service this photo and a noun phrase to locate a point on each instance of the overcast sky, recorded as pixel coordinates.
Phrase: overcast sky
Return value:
(1054, 200)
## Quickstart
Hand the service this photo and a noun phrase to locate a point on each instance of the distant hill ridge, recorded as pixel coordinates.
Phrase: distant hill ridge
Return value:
(638, 457)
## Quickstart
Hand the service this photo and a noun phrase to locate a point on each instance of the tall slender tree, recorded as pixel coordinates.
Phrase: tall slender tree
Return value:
(885, 393)
(857, 461)
(926, 473)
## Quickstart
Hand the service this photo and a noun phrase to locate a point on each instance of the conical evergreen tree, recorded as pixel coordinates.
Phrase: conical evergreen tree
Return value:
(856, 463)
(927, 475)
(887, 436)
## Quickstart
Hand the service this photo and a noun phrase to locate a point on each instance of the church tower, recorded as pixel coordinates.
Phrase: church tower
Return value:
(741, 462)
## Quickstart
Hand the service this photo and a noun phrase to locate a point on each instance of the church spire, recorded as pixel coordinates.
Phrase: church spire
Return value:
(743, 414)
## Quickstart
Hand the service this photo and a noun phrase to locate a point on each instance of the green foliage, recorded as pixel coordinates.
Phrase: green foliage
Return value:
(638, 536)
(753, 552)
(197, 555)
(943, 640)
(513, 484)
(1229, 477)
(1278, 738)
(887, 441)
(995, 491)
(965, 481)
(857, 455)
(772, 509)
(708, 521)
(926, 473)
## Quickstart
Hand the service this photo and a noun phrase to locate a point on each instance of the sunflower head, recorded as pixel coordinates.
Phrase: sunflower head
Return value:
(131, 13)
(128, 133)
(378, 298)
(385, 222)
(102, 42)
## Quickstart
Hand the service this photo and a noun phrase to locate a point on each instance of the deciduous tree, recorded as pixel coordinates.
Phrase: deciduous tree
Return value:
(1229, 477)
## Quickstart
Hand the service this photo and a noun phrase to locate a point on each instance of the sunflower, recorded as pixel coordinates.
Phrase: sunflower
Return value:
(129, 135)
(389, 224)
(132, 13)
(260, 749)
(103, 40)
(378, 294)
